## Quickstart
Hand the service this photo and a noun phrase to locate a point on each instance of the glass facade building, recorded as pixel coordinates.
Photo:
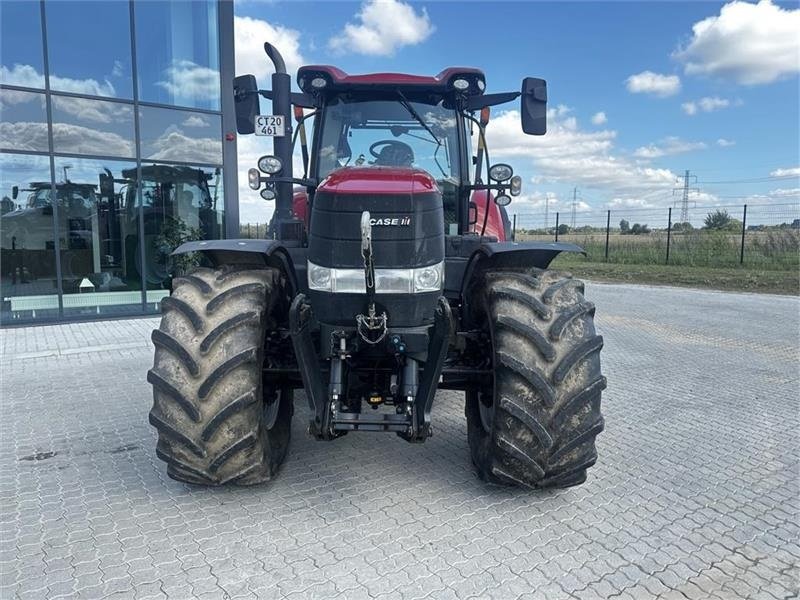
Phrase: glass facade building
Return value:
(116, 145)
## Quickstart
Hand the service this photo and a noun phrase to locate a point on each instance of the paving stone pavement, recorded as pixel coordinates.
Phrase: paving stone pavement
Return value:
(695, 494)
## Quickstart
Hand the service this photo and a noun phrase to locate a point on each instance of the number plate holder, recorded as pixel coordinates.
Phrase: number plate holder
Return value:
(270, 125)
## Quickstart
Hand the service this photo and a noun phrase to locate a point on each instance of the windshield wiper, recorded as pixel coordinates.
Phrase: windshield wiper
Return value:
(410, 108)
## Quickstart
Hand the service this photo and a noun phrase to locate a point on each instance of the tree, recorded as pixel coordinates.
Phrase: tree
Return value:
(719, 219)
(563, 228)
(638, 229)
(682, 226)
(624, 227)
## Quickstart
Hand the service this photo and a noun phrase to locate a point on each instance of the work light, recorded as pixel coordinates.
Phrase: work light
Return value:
(270, 164)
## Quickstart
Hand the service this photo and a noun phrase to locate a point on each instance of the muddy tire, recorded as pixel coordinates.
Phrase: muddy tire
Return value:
(216, 422)
(536, 424)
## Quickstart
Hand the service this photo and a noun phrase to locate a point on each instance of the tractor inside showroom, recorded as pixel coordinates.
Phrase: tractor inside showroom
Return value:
(388, 274)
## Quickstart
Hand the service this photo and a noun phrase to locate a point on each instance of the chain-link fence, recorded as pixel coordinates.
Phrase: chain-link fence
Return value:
(765, 236)
(253, 231)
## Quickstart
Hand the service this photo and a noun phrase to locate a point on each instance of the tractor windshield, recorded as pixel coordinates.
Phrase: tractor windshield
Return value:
(389, 133)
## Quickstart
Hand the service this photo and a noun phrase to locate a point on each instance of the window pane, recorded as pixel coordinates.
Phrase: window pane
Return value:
(98, 231)
(180, 204)
(177, 52)
(89, 44)
(28, 286)
(179, 135)
(84, 126)
(21, 44)
(24, 121)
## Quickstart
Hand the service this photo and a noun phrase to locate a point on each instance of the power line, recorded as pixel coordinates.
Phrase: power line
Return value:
(753, 180)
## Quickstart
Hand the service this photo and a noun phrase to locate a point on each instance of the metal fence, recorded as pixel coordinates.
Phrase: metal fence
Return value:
(765, 236)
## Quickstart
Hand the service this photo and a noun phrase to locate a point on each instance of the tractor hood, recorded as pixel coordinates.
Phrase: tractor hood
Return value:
(378, 180)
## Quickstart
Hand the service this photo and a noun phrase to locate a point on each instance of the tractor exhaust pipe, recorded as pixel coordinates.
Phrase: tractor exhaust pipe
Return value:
(282, 146)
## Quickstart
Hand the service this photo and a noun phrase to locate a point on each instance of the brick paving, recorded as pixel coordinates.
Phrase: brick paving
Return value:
(696, 493)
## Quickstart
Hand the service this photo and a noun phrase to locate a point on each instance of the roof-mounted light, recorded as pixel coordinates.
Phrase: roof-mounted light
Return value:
(319, 83)
(460, 84)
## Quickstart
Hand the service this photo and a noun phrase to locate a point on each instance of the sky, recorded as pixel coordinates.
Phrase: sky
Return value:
(638, 91)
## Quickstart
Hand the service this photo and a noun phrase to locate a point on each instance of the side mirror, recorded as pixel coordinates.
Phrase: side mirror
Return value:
(14, 192)
(533, 106)
(245, 97)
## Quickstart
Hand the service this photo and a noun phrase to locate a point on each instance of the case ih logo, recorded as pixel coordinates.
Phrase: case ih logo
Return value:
(395, 221)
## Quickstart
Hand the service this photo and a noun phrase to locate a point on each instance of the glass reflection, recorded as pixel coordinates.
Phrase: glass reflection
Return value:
(24, 121)
(180, 204)
(100, 64)
(99, 127)
(21, 44)
(28, 285)
(179, 135)
(98, 233)
(177, 51)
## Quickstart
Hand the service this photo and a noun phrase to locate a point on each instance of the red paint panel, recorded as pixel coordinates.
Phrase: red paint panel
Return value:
(378, 180)
(494, 224)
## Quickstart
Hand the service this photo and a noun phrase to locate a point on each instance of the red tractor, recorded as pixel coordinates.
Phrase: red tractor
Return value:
(388, 274)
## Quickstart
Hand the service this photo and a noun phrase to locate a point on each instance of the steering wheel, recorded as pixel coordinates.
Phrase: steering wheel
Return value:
(392, 153)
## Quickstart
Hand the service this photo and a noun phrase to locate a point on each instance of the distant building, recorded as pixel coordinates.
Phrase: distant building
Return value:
(113, 150)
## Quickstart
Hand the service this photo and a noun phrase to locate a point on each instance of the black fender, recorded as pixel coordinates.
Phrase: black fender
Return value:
(511, 255)
(266, 253)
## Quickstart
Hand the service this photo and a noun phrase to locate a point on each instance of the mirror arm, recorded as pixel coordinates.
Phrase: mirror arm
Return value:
(304, 100)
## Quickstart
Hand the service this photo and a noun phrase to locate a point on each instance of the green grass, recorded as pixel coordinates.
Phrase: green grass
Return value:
(740, 279)
(777, 249)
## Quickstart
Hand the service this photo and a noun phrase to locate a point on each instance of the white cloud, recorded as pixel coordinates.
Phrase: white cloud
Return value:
(173, 144)
(80, 140)
(381, 28)
(575, 157)
(249, 37)
(28, 76)
(656, 84)
(785, 193)
(706, 104)
(195, 121)
(791, 171)
(667, 147)
(95, 111)
(185, 79)
(725, 143)
(599, 118)
(747, 43)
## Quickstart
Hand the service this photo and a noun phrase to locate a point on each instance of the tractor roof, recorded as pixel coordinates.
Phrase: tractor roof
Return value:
(337, 80)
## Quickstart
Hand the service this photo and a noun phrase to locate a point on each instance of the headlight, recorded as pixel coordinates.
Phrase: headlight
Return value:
(319, 278)
(428, 279)
(502, 200)
(268, 194)
(387, 281)
(253, 179)
(270, 164)
(501, 172)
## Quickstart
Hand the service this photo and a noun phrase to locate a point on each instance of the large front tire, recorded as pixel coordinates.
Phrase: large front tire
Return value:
(216, 422)
(536, 424)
